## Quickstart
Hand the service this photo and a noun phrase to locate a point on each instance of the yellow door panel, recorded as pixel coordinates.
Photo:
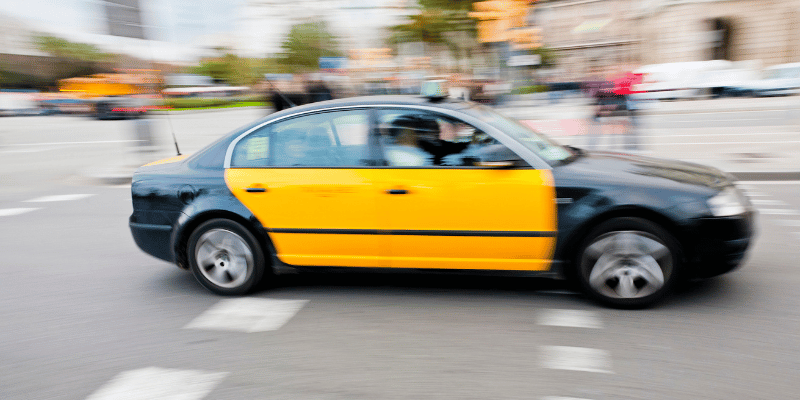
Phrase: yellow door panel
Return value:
(470, 218)
(302, 205)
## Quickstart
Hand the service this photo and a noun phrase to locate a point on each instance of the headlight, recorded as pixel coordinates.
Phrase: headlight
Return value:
(730, 201)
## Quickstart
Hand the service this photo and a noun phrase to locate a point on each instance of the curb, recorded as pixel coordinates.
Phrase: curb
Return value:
(110, 176)
(767, 176)
(172, 112)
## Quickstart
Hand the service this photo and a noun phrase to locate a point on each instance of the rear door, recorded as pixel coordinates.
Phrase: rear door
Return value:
(308, 180)
(442, 208)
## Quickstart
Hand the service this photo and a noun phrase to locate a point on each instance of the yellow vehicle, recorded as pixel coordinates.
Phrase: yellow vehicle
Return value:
(401, 182)
(103, 85)
(110, 95)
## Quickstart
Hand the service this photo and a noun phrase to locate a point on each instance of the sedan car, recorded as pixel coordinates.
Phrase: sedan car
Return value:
(413, 183)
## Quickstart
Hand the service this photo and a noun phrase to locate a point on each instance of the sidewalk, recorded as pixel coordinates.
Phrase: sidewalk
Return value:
(537, 106)
(771, 156)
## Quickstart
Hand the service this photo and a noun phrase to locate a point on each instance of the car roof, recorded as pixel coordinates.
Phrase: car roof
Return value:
(452, 104)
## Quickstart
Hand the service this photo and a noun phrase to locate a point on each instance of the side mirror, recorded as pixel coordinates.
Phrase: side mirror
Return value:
(498, 156)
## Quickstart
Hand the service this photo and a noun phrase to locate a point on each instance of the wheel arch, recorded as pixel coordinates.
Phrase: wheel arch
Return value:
(248, 222)
(568, 251)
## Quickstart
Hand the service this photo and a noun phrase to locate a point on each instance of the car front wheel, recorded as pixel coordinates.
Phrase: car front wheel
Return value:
(628, 263)
(225, 257)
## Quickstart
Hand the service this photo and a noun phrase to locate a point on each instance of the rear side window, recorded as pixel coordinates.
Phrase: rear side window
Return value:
(333, 139)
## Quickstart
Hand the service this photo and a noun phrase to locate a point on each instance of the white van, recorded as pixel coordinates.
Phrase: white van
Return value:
(777, 80)
(681, 80)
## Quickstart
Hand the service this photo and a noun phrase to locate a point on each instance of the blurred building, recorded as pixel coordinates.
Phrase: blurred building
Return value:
(765, 30)
(590, 35)
(17, 37)
(596, 36)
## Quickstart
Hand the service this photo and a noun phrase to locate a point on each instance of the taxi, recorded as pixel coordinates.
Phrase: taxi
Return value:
(418, 183)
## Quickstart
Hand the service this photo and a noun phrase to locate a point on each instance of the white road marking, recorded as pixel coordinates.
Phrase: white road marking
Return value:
(789, 222)
(706, 143)
(778, 211)
(720, 134)
(762, 202)
(716, 112)
(159, 384)
(6, 212)
(68, 143)
(59, 197)
(28, 150)
(755, 194)
(571, 318)
(724, 120)
(247, 315)
(576, 359)
(768, 183)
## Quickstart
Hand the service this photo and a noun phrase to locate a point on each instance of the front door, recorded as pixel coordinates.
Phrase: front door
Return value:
(306, 181)
(443, 208)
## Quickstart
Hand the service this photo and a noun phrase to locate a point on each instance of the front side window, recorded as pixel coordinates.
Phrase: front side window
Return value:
(550, 151)
(416, 138)
(333, 139)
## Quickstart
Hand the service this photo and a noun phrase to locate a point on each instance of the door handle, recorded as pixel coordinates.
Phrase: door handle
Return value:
(256, 190)
(397, 191)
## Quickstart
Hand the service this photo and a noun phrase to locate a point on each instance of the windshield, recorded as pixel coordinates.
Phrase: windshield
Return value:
(544, 147)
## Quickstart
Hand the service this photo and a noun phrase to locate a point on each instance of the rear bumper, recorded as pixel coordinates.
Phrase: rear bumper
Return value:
(722, 244)
(153, 239)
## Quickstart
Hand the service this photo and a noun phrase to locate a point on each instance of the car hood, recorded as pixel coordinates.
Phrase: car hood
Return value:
(632, 170)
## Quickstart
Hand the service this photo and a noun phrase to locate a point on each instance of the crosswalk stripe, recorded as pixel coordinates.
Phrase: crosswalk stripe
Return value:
(789, 222)
(576, 359)
(760, 202)
(777, 211)
(159, 384)
(745, 183)
(247, 315)
(6, 212)
(59, 197)
(570, 318)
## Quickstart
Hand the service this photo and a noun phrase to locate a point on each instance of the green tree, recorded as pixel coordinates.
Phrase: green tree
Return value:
(65, 49)
(305, 44)
(433, 24)
(229, 68)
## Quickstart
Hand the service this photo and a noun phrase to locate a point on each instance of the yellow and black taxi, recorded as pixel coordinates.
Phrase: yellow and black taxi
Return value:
(409, 183)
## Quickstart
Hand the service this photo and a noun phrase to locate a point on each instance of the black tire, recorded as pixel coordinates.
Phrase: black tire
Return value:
(619, 262)
(222, 246)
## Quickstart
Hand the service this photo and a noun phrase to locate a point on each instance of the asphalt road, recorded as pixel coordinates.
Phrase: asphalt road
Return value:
(85, 314)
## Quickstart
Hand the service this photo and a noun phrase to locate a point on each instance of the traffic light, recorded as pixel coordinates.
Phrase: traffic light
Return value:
(497, 18)
(526, 39)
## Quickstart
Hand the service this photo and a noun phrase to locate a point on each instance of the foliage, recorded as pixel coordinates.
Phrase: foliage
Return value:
(305, 44)
(530, 89)
(434, 19)
(201, 103)
(547, 54)
(230, 68)
(62, 48)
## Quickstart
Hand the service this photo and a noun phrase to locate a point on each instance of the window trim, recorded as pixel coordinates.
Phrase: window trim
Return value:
(526, 154)
(267, 125)
(382, 153)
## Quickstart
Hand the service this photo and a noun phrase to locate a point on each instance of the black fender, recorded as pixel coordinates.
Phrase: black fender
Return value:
(214, 200)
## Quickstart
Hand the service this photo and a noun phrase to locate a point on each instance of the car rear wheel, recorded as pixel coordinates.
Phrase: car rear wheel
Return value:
(628, 263)
(225, 257)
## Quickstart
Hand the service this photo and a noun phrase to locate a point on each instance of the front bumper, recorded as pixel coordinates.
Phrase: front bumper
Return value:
(721, 244)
